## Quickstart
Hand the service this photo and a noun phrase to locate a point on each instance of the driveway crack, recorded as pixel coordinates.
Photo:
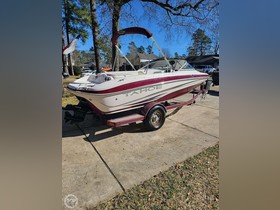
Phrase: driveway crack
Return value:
(107, 166)
(194, 128)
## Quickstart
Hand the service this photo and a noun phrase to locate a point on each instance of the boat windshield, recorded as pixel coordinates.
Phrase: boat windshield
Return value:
(162, 65)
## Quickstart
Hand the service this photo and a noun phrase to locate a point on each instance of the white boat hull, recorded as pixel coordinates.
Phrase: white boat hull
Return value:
(133, 91)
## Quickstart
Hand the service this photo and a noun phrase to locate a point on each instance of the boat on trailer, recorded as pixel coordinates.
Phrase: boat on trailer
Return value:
(124, 97)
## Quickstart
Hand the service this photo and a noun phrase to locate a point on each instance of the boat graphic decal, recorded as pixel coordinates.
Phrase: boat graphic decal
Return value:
(156, 95)
(155, 98)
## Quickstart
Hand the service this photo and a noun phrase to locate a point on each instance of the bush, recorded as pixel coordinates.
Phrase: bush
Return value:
(77, 70)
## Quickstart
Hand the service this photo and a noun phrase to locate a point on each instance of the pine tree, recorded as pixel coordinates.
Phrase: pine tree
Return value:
(132, 48)
(141, 49)
(75, 20)
(149, 49)
(201, 43)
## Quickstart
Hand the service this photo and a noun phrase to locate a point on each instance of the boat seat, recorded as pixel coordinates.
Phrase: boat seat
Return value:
(99, 78)
(141, 72)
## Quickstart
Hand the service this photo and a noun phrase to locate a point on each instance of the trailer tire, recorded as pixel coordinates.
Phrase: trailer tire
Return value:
(155, 118)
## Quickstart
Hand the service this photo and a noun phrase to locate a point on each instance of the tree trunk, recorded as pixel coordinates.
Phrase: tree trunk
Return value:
(71, 72)
(216, 48)
(65, 70)
(94, 28)
(115, 28)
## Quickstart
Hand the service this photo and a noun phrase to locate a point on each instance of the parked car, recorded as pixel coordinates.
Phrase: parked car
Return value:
(85, 68)
(205, 68)
(87, 72)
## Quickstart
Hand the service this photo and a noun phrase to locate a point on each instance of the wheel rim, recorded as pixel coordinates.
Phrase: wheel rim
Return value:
(156, 119)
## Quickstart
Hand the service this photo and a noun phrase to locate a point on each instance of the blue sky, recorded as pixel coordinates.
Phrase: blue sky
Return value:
(178, 45)
(173, 44)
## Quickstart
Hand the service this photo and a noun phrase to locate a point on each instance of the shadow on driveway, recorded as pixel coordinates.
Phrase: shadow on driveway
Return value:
(98, 131)
(95, 134)
(213, 92)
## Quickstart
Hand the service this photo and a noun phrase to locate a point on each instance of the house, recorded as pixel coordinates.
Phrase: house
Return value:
(212, 60)
(93, 66)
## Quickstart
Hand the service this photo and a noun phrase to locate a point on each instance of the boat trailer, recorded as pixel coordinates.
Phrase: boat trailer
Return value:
(152, 114)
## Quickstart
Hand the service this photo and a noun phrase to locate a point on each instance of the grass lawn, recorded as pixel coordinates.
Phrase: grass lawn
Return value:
(69, 79)
(68, 98)
(192, 184)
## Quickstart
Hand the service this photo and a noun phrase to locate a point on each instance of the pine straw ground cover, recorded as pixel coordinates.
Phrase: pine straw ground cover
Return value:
(192, 184)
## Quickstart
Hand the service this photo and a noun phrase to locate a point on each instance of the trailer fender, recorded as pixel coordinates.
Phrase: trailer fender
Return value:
(149, 106)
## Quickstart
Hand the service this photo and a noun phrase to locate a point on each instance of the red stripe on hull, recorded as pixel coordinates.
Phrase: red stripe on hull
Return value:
(178, 93)
(143, 83)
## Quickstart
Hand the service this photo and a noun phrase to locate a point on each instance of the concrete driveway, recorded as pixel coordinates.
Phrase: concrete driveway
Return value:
(99, 162)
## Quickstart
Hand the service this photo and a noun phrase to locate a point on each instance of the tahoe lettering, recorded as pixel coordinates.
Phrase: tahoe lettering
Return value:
(143, 90)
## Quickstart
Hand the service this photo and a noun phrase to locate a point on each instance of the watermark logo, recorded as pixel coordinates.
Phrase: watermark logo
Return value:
(71, 201)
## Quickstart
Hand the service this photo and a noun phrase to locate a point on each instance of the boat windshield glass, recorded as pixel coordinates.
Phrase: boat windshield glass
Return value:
(162, 65)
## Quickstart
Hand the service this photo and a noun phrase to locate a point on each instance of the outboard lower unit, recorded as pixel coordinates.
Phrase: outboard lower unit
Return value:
(76, 113)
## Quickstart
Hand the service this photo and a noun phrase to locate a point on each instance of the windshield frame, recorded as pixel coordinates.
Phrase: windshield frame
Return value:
(185, 66)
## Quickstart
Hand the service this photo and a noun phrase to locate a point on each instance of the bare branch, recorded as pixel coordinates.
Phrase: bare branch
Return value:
(179, 9)
(175, 9)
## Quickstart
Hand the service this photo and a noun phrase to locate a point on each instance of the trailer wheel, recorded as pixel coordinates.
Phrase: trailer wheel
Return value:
(155, 118)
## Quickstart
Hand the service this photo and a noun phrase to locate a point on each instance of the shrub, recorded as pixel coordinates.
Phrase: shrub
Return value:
(77, 70)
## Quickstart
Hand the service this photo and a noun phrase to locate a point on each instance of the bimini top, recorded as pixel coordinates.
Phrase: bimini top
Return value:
(131, 30)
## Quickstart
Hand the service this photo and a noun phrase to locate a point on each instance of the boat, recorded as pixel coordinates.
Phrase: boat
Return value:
(153, 85)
